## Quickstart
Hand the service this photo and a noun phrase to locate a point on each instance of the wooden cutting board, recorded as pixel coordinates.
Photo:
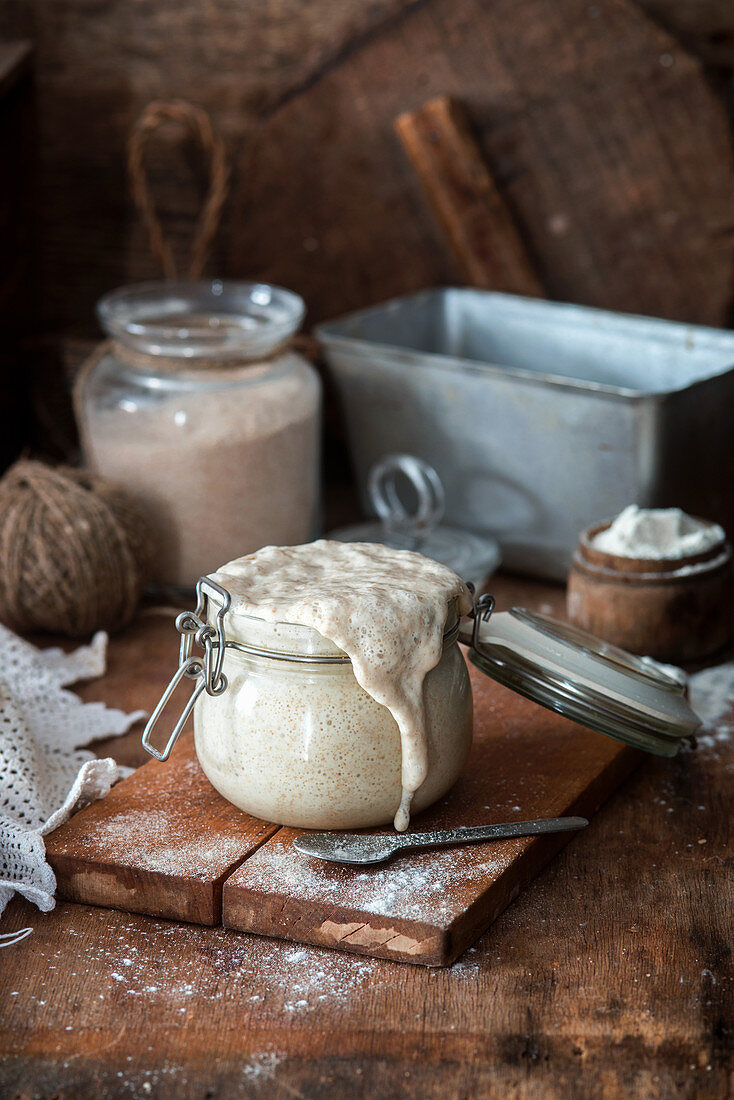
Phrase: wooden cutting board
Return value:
(164, 842)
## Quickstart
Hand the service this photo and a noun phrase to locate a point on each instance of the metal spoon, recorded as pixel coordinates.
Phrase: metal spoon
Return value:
(350, 848)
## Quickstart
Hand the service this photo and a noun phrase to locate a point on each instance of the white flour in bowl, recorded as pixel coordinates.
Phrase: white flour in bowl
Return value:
(656, 534)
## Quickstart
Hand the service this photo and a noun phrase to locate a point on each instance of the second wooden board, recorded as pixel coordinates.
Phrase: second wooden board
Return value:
(428, 907)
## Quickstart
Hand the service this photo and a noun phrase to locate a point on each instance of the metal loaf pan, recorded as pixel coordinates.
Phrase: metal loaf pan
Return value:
(539, 417)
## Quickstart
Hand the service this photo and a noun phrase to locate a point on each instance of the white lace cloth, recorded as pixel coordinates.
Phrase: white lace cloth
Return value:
(44, 773)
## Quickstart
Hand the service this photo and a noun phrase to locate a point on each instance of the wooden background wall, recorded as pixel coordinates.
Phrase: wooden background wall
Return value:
(606, 123)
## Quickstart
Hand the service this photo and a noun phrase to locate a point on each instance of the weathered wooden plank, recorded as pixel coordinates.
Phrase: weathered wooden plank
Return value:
(165, 843)
(97, 68)
(605, 181)
(601, 131)
(478, 225)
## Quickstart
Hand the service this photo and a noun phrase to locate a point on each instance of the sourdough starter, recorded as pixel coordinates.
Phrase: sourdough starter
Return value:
(407, 717)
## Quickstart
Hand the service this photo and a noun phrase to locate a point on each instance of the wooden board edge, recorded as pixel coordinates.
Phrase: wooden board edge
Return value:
(115, 886)
(135, 890)
(276, 916)
(416, 942)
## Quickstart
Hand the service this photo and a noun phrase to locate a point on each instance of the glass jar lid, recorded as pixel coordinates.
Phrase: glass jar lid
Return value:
(633, 699)
(415, 524)
(206, 318)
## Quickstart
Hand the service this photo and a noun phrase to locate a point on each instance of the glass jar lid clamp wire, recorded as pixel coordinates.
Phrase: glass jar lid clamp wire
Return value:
(206, 671)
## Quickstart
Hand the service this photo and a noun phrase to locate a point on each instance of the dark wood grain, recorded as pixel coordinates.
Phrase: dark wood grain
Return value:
(17, 305)
(600, 129)
(476, 221)
(597, 180)
(15, 64)
(611, 977)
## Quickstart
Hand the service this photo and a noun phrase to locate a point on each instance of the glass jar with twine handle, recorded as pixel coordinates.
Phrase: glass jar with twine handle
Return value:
(200, 402)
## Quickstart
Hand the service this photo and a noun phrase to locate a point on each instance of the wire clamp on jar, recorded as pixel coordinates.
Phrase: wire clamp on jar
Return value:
(206, 670)
(483, 607)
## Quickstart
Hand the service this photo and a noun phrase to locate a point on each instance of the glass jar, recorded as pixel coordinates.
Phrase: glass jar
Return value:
(291, 737)
(198, 406)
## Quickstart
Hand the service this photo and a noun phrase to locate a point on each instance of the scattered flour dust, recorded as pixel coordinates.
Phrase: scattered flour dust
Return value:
(204, 965)
(161, 839)
(261, 1065)
(712, 698)
(177, 969)
(185, 973)
(423, 887)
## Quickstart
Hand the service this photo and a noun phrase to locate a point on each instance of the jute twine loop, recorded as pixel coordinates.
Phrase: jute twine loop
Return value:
(196, 121)
(76, 551)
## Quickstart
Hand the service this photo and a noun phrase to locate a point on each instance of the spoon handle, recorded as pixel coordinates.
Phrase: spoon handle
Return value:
(492, 832)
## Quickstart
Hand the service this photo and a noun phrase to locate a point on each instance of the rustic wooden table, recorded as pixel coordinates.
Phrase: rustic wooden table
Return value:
(610, 976)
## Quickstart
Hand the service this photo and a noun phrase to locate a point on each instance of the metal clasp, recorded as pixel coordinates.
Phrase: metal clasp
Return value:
(205, 670)
(193, 628)
(483, 607)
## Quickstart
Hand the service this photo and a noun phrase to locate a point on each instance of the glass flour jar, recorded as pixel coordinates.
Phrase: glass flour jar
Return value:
(198, 406)
(284, 731)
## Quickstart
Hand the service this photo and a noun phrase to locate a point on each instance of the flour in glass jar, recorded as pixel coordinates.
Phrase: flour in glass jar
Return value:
(385, 608)
(217, 468)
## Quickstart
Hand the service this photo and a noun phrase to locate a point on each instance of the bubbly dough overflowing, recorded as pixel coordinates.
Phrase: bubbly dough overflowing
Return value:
(386, 609)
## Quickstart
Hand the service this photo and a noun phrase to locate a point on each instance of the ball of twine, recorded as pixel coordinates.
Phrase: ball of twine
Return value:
(75, 551)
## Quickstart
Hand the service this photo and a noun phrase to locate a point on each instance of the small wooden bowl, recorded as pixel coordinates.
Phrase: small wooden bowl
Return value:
(673, 609)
